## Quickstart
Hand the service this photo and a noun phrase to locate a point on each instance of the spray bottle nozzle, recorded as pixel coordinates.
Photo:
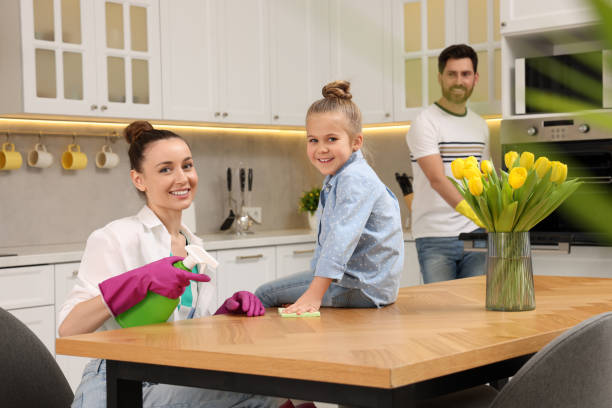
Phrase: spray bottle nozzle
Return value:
(197, 255)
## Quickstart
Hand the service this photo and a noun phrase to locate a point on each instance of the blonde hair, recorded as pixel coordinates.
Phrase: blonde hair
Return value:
(337, 98)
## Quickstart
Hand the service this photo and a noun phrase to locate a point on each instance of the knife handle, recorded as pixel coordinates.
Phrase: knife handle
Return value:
(242, 179)
(250, 179)
(229, 179)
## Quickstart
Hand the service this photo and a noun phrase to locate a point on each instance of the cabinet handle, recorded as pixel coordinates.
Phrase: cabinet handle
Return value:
(503, 24)
(387, 115)
(217, 114)
(275, 117)
(93, 107)
(224, 114)
(246, 257)
(303, 251)
(103, 108)
(75, 273)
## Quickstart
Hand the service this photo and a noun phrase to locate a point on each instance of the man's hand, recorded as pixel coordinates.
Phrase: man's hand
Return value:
(464, 208)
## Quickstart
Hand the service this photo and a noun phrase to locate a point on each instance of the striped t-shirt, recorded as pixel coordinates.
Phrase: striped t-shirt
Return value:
(438, 131)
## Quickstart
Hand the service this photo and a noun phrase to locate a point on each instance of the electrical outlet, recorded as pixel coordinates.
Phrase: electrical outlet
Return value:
(254, 212)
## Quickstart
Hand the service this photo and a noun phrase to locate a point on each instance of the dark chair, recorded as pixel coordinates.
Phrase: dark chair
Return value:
(573, 370)
(29, 375)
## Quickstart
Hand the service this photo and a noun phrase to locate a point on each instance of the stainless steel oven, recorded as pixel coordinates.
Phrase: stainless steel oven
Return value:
(587, 150)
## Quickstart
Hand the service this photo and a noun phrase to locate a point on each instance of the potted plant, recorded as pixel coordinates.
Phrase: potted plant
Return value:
(308, 204)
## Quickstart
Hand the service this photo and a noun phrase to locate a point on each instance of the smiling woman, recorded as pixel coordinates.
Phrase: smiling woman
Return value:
(130, 258)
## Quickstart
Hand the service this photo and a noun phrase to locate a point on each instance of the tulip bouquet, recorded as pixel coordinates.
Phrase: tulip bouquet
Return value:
(508, 205)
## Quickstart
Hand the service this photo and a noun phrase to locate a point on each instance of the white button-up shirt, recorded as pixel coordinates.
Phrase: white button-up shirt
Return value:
(126, 244)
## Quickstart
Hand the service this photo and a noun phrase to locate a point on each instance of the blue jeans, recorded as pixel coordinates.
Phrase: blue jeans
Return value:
(290, 288)
(92, 393)
(443, 258)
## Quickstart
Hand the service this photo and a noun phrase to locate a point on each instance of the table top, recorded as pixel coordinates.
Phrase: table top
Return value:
(432, 330)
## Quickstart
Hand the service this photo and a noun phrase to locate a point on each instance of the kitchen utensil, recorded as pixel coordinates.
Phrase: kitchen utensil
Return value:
(243, 222)
(405, 184)
(249, 185)
(232, 216)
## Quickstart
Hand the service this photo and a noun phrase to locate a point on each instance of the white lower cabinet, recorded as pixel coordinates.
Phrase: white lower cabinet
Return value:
(65, 276)
(27, 293)
(581, 261)
(411, 274)
(291, 259)
(41, 321)
(244, 269)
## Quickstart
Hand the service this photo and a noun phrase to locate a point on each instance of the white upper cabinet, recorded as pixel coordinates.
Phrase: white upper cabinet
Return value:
(528, 16)
(299, 57)
(215, 60)
(76, 57)
(361, 52)
(422, 29)
(128, 58)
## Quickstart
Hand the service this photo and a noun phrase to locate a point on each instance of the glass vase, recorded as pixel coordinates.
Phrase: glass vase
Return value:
(509, 272)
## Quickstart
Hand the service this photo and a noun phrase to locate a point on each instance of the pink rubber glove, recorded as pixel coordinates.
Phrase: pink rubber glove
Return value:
(124, 291)
(242, 302)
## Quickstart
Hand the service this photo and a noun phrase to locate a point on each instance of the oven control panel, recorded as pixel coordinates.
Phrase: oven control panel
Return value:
(556, 129)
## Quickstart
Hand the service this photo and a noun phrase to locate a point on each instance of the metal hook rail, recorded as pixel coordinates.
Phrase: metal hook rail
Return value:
(112, 137)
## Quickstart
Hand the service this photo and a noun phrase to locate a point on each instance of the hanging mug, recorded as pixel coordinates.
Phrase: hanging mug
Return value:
(9, 158)
(73, 158)
(40, 157)
(106, 159)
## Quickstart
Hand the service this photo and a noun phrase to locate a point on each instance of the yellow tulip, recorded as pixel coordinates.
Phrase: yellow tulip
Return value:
(541, 166)
(487, 167)
(559, 172)
(457, 168)
(475, 185)
(517, 177)
(510, 158)
(470, 172)
(526, 160)
(471, 162)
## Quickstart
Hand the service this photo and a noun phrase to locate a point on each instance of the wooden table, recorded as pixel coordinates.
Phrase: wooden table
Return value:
(435, 339)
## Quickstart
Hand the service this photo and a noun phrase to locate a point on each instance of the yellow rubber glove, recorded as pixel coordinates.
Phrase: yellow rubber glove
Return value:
(464, 208)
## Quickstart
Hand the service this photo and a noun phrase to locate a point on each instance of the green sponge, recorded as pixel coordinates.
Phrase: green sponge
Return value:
(305, 314)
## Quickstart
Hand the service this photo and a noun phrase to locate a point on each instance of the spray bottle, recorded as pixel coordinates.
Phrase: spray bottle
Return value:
(155, 308)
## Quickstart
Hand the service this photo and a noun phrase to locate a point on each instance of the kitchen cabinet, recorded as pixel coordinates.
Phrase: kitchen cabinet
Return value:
(244, 269)
(65, 277)
(299, 57)
(587, 261)
(422, 29)
(78, 57)
(215, 61)
(291, 259)
(27, 293)
(361, 50)
(411, 274)
(527, 16)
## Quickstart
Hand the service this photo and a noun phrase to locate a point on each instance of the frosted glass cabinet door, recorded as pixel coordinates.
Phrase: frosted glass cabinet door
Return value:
(58, 56)
(128, 58)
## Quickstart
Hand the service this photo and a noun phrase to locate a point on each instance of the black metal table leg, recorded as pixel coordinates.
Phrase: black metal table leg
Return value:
(121, 393)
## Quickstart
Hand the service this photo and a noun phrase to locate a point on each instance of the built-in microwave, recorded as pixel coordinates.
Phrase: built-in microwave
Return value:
(585, 78)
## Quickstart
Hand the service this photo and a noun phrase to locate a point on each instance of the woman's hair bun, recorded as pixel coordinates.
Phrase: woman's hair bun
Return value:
(135, 129)
(338, 90)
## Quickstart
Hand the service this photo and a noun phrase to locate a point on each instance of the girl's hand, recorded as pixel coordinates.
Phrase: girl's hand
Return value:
(306, 303)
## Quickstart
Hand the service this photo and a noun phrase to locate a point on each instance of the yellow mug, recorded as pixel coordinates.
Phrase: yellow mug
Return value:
(73, 158)
(9, 158)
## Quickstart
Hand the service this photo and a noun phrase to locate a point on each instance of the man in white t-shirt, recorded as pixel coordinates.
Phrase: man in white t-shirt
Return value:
(441, 133)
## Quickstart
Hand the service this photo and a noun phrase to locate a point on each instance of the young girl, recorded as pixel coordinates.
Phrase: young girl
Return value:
(130, 256)
(359, 253)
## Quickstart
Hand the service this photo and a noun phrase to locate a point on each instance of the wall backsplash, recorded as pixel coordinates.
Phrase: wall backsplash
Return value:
(56, 206)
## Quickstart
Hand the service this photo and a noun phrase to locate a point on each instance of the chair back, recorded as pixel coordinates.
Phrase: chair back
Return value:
(573, 370)
(29, 375)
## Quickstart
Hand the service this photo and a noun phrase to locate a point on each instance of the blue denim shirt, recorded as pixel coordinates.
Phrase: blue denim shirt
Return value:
(360, 242)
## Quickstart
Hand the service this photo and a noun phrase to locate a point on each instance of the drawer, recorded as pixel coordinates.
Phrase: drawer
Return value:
(41, 321)
(27, 286)
(291, 259)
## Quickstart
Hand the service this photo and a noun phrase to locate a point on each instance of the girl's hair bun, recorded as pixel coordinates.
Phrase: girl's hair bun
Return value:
(337, 90)
(135, 129)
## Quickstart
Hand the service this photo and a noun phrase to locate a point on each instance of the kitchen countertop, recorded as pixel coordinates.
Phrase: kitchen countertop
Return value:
(62, 253)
